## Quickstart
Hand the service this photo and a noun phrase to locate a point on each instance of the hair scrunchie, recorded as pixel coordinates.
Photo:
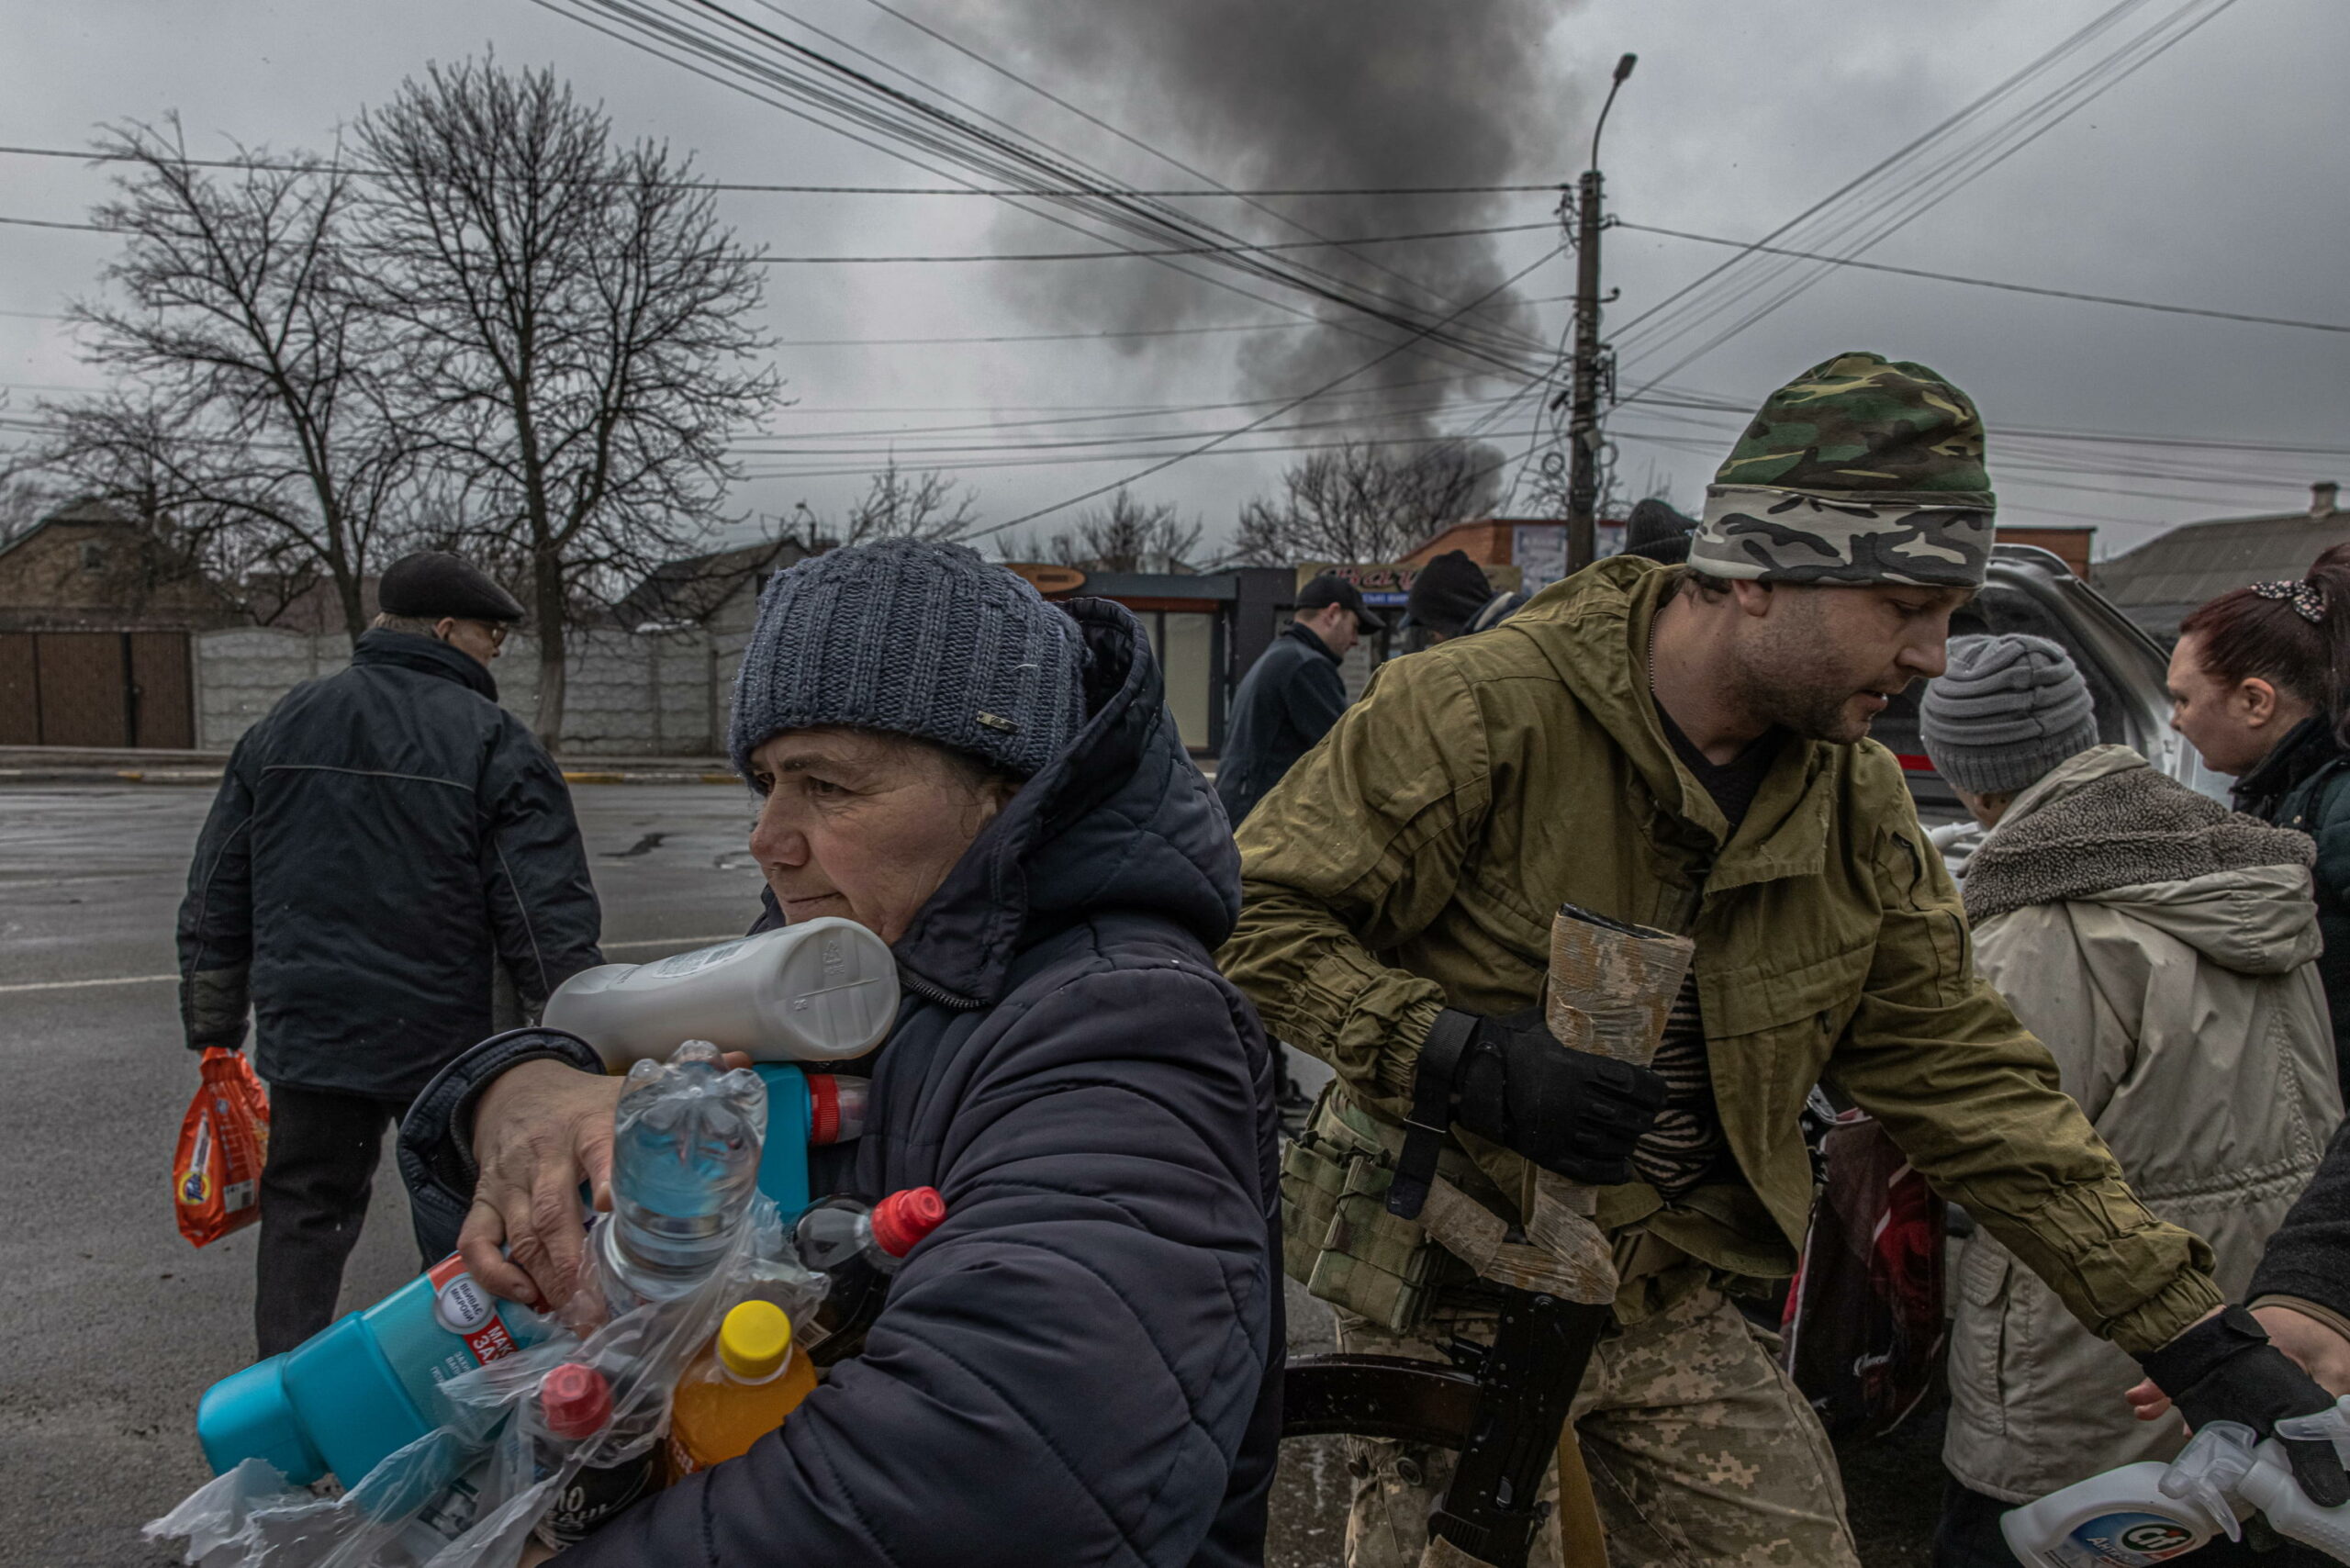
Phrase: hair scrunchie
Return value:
(2306, 600)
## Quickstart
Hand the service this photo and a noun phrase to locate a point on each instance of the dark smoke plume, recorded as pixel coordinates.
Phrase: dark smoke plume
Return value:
(1310, 93)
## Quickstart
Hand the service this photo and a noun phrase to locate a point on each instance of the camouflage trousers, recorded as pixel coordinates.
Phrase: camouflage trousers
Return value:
(1702, 1453)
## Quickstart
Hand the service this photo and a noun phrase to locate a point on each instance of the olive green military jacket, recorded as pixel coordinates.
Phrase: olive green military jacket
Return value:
(1414, 859)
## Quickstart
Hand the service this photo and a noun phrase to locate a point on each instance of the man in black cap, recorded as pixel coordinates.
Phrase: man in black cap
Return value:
(1292, 695)
(391, 872)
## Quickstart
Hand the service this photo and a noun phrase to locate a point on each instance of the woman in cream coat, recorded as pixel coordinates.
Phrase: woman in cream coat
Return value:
(2163, 947)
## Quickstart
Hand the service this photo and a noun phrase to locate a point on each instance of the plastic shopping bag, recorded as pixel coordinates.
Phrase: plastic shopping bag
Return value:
(1864, 1325)
(224, 1140)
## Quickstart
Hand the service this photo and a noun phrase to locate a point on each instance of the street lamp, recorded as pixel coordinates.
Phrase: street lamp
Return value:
(1582, 425)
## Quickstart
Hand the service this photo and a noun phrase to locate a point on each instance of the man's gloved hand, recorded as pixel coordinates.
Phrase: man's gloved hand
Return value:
(1567, 1111)
(2224, 1369)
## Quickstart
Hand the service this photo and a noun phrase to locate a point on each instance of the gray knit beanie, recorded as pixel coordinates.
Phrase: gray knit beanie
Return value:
(2006, 710)
(914, 639)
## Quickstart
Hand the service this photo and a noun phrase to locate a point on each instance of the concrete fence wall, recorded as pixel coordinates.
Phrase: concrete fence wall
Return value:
(628, 694)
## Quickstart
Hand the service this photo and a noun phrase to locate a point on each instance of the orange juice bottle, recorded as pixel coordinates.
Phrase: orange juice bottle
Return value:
(746, 1380)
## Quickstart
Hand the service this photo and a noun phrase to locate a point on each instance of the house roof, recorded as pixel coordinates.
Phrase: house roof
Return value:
(87, 511)
(2161, 580)
(693, 589)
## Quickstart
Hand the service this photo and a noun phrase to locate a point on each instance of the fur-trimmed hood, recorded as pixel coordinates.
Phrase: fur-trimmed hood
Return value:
(2105, 828)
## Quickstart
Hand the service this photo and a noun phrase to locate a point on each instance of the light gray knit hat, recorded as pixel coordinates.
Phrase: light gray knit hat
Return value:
(2008, 709)
(914, 639)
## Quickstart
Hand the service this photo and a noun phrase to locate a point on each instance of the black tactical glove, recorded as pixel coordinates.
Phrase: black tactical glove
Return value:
(1567, 1111)
(2224, 1369)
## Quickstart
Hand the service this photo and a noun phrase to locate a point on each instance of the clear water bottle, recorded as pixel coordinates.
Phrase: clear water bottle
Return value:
(685, 1162)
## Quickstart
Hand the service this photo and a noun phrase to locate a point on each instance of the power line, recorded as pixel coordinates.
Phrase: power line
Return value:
(1757, 248)
(1329, 386)
(1121, 254)
(1099, 123)
(1939, 183)
(87, 228)
(853, 104)
(757, 187)
(1108, 255)
(1889, 161)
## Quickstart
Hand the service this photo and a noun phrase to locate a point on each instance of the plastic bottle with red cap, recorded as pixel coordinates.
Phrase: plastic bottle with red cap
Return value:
(858, 1248)
(575, 1407)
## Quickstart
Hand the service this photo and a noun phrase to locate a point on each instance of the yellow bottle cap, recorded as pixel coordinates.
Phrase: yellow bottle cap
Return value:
(754, 1340)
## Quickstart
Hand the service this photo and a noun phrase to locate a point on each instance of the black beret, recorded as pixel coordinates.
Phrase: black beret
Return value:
(1447, 592)
(432, 584)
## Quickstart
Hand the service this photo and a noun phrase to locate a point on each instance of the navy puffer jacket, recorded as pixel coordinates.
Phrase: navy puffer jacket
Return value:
(1081, 1365)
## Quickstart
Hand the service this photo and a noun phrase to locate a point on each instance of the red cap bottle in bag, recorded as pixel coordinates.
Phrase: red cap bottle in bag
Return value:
(576, 1406)
(857, 1247)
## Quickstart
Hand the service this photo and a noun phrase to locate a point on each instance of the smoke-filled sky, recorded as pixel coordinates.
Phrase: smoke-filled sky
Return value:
(2210, 178)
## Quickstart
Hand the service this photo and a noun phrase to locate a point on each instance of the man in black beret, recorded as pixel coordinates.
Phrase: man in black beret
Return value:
(391, 872)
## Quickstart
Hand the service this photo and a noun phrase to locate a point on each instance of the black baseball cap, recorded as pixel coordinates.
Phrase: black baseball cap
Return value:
(1331, 588)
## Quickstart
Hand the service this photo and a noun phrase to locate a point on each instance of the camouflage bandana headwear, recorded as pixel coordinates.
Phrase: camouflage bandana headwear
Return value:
(1861, 470)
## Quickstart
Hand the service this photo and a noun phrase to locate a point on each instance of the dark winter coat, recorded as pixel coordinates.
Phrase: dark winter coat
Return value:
(2305, 784)
(382, 843)
(2308, 1261)
(1285, 704)
(1081, 1365)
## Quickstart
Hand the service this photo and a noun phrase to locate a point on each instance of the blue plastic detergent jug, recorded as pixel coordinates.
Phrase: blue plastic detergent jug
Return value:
(362, 1388)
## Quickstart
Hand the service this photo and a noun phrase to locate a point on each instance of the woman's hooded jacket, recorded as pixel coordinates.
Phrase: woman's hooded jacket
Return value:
(2165, 949)
(1082, 1363)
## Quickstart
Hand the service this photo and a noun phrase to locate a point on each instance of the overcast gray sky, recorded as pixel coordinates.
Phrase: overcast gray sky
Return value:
(2212, 177)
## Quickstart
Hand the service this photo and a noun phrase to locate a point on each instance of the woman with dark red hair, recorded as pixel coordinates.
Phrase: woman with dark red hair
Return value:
(2257, 686)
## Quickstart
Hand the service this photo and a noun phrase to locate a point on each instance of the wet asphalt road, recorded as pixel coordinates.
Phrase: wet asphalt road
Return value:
(111, 1325)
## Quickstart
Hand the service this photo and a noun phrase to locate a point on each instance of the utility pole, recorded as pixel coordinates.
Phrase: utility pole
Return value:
(1590, 364)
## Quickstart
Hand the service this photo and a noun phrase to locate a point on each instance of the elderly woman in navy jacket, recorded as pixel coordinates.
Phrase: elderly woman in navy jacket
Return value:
(1081, 1365)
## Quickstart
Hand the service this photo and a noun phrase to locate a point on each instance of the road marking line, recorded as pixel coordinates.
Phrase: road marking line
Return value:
(686, 942)
(83, 984)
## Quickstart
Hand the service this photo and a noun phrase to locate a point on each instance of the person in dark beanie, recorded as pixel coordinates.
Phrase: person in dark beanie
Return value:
(390, 872)
(1657, 533)
(1081, 1364)
(2165, 949)
(1292, 695)
(1448, 594)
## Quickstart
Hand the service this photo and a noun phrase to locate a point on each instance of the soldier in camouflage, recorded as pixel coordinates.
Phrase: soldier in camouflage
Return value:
(1684, 748)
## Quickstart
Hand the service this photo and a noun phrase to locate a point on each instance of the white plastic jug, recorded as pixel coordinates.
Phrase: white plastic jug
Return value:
(816, 991)
(2117, 1520)
(2148, 1513)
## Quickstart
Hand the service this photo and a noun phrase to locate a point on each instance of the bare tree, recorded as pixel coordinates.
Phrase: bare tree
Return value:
(899, 505)
(252, 406)
(1358, 502)
(1125, 536)
(578, 328)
